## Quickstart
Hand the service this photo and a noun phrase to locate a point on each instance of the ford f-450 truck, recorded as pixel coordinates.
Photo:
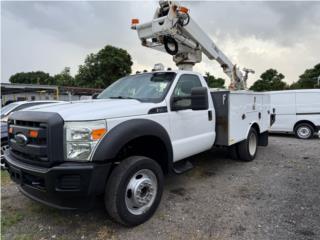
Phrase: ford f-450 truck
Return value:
(121, 144)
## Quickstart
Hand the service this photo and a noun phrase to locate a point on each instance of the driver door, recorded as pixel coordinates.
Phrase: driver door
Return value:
(192, 131)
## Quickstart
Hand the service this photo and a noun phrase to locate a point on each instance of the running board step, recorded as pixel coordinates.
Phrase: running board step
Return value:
(182, 166)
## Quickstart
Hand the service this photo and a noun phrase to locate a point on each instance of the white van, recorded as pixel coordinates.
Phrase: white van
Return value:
(297, 111)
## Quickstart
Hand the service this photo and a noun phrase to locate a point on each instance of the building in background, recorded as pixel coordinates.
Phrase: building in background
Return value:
(21, 92)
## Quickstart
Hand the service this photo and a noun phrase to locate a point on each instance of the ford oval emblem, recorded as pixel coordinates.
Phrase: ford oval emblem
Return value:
(21, 139)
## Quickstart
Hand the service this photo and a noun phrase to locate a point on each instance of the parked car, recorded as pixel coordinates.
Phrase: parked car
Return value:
(16, 106)
(297, 111)
(6, 111)
(4, 141)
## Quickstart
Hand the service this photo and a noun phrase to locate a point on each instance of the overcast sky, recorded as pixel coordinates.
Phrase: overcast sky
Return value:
(49, 36)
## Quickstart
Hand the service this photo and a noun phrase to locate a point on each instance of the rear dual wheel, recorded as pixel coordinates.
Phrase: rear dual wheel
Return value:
(247, 149)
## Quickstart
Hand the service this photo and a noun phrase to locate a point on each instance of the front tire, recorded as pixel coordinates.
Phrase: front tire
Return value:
(134, 190)
(247, 149)
(304, 131)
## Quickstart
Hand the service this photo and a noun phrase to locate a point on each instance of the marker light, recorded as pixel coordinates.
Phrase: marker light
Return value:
(183, 9)
(96, 134)
(158, 67)
(33, 133)
(134, 21)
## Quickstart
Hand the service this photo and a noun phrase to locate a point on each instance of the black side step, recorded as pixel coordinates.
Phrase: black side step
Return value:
(182, 166)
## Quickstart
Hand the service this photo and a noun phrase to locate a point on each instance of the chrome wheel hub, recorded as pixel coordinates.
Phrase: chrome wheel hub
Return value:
(141, 191)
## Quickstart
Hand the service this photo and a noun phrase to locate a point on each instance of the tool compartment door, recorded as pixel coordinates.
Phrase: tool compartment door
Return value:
(244, 110)
(266, 113)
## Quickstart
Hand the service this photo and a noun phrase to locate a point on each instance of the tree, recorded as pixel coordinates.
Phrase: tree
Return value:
(103, 68)
(270, 80)
(38, 77)
(309, 79)
(64, 78)
(214, 82)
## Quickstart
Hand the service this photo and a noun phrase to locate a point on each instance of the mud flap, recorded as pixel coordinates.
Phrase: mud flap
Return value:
(263, 139)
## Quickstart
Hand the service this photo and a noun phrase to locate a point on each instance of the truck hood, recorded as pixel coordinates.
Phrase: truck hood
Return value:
(97, 109)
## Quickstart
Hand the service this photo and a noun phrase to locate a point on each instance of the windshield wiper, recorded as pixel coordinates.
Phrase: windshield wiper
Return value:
(122, 97)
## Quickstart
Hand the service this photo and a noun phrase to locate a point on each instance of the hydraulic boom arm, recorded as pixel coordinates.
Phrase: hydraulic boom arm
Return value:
(173, 31)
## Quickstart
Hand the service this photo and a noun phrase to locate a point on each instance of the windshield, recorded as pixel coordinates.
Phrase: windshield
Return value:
(7, 109)
(146, 87)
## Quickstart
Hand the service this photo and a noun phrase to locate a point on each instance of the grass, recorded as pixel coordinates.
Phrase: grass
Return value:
(24, 237)
(5, 178)
(9, 215)
(10, 218)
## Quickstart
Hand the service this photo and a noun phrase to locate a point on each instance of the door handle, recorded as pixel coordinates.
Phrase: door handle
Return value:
(210, 115)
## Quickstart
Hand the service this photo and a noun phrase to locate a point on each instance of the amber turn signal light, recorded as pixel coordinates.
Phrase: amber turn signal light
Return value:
(96, 134)
(134, 21)
(33, 133)
(183, 9)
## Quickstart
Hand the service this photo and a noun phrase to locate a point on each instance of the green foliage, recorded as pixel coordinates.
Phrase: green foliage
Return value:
(38, 77)
(214, 82)
(64, 78)
(309, 79)
(103, 68)
(270, 80)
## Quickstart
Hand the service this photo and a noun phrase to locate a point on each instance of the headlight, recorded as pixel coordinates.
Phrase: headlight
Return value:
(81, 139)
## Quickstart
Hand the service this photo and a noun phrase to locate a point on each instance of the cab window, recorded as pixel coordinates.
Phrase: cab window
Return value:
(182, 91)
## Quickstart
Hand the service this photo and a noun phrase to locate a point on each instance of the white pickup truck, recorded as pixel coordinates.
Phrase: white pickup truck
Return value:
(121, 144)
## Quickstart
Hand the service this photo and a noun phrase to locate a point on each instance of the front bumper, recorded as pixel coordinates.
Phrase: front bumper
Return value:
(66, 186)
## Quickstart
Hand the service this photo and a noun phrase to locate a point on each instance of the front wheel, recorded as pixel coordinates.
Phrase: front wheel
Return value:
(304, 131)
(247, 149)
(134, 190)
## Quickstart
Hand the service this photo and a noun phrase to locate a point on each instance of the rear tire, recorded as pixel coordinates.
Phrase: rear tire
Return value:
(133, 191)
(304, 131)
(247, 149)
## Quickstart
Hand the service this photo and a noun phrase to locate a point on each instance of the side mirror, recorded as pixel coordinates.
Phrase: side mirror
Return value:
(94, 96)
(199, 98)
